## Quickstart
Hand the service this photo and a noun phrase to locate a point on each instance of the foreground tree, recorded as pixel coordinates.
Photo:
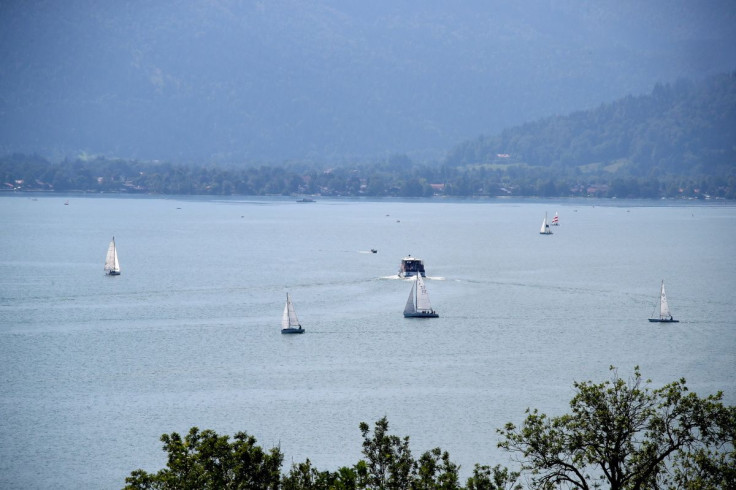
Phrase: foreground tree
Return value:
(620, 434)
(303, 476)
(628, 436)
(204, 460)
(496, 478)
(389, 463)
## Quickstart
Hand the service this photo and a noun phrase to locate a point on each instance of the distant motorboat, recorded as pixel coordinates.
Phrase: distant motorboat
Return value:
(664, 310)
(417, 305)
(289, 321)
(374, 251)
(305, 199)
(112, 266)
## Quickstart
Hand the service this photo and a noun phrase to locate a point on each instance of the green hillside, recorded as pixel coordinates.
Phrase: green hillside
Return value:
(677, 142)
(685, 128)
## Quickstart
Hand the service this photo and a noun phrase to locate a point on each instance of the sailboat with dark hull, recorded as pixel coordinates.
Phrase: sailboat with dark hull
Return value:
(289, 321)
(417, 305)
(545, 230)
(664, 310)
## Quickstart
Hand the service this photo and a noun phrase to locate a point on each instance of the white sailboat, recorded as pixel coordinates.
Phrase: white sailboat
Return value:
(289, 321)
(417, 305)
(545, 230)
(112, 266)
(664, 310)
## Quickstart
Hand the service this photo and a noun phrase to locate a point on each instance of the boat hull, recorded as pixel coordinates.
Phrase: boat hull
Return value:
(663, 320)
(420, 314)
(292, 330)
(113, 273)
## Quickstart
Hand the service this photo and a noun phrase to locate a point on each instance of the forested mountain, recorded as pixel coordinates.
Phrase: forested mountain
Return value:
(677, 141)
(684, 129)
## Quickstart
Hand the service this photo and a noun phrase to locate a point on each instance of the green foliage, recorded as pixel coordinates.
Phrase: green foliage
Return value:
(389, 464)
(389, 460)
(620, 433)
(303, 476)
(628, 436)
(204, 460)
(496, 478)
(434, 470)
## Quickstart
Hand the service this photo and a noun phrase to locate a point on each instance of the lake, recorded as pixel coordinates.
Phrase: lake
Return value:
(96, 368)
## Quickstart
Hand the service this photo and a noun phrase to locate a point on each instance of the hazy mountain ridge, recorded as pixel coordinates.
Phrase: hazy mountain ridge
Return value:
(676, 142)
(682, 128)
(271, 81)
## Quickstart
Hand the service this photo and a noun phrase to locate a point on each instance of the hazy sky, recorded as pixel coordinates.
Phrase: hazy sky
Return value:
(324, 80)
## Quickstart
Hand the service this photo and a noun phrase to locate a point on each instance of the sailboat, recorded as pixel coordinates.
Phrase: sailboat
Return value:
(664, 310)
(112, 266)
(417, 305)
(556, 220)
(545, 230)
(289, 321)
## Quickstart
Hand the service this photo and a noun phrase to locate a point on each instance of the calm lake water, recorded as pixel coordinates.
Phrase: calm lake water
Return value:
(96, 368)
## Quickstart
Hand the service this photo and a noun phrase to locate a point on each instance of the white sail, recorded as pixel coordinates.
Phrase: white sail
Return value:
(410, 307)
(417, 304)
(112, 266)
(285, 317)
(664, 309)
(422, 295)
(289, 319)
(545, 227)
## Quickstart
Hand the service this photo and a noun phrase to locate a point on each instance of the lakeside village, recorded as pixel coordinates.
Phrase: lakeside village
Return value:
(437, 190)
(100, 175)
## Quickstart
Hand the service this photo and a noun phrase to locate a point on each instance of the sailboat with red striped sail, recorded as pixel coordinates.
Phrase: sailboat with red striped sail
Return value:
(555, 220)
